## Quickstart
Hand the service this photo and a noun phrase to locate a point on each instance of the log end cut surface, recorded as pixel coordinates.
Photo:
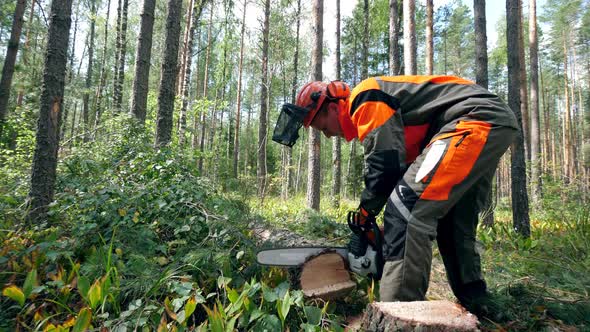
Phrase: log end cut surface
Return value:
(418, 316)
(325, 276)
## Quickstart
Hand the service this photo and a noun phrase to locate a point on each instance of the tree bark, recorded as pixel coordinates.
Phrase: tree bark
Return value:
(410, 37)
(261, 166)
(85, 99)
(393, 38)
(336, 141)
(143, 56)
(314, 161)
(429, 41)
(524, 99)
(185, 50)
(168, 74)
(103, 74)
(239, 95)
(117, 55)
(24, 53)
(481, 78)
(535, 120)
(520, 203)
(10, 60)
(51, 103)
(365, 69)
(205, 87)
(196, 14)
(122, 56)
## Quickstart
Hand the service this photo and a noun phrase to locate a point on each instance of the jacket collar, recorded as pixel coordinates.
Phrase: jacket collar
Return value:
(348, 129)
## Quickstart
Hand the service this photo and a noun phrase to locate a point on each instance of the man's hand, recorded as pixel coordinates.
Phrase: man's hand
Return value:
(362, 222)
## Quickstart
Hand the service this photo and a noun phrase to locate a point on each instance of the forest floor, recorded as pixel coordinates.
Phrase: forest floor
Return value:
(539, 283)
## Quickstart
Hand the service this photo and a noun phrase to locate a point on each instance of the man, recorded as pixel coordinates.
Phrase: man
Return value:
(431, 144)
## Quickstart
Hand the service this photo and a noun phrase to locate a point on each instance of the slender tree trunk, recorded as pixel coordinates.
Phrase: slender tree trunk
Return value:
(566, 119)
(122, 56)
(336, 141)
(51, 103)
(410, 37)
(185, 49)
(393, 38)
(261, 167)
(73, 124)
(293, 96)
(205, 86)
(103, 74)
(314, 162)
(524, 99)
(117, 55)
(481, 78)
(143, 56)
(168, 74)
(196, 13)
(85, 100)
(365, 73)
(24, 53)
(10, 60)
(429, 41)
(239, 95)
(520, 204)
(535, 128)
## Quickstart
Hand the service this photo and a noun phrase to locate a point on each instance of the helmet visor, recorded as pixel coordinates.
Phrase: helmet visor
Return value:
(290, 120)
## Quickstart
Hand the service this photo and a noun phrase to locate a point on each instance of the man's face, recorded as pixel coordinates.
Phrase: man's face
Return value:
(327, 122)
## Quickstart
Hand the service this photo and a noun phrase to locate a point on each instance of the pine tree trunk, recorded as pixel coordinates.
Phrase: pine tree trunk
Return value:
(168, 74)
(520, 204)
(481, 78)
(239, 95)
(314, 161)
(410, 37)
(44, 167)
(143, 56)
(205, 87)
(567, 119)
(535, 128)
(185, 49)
(336, 141)
(524, 99)
(85, 100)
(196, 13)
(429, 36)
(261, 166)
(122, 56)
(24, 53)
(103, 74)
(10, 60)
(117, 55)
(365, 50)
(393, 38)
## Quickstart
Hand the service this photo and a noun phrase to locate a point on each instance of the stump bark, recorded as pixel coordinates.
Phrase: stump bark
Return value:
(325, 276)
(421, 316)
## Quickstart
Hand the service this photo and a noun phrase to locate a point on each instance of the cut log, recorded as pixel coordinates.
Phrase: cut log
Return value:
(325, 276)
(418, 316)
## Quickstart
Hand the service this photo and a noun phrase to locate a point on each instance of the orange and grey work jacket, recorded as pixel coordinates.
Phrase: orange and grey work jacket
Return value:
(395, 118)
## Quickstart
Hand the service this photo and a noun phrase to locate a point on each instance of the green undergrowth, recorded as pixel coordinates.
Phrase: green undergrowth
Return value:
(541, 282)
(137, 240)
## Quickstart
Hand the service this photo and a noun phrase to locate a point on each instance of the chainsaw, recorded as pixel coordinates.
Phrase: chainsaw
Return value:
(363, 254)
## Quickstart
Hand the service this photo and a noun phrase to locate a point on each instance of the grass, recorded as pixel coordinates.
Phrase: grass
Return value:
(540, 283)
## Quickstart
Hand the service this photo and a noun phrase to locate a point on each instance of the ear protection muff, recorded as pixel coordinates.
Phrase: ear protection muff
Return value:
(338, 90)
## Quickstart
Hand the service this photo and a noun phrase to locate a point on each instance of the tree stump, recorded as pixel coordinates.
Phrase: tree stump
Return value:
(420, 316)
(325, 276)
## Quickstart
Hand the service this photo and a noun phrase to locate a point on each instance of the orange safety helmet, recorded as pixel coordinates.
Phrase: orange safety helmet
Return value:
(313, 95)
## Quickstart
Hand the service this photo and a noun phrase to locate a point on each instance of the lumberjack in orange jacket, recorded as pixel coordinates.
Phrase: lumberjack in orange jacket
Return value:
(431, 144)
